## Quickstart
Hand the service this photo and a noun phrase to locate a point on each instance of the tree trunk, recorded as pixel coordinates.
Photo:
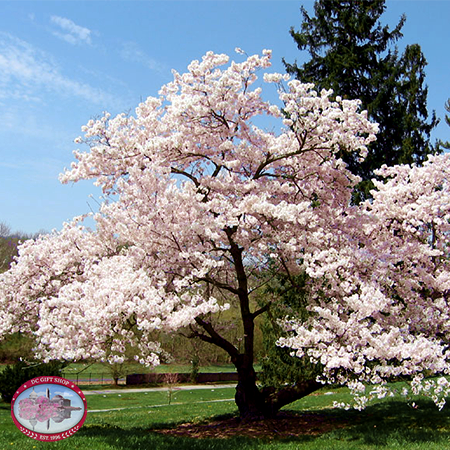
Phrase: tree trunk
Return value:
(249, 399)
(276, 399)
(253, 403)
(258, 404)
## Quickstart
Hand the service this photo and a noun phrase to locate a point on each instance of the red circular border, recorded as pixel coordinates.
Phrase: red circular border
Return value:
(51, 437)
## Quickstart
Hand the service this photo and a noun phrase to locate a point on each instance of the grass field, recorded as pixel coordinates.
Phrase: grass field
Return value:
(82, 373)
(129, 420)
(139, 368)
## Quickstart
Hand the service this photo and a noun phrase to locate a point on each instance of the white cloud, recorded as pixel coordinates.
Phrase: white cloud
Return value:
(72, 33)
(39, 393)
(28, 74)
(65, 394)
(131, 52)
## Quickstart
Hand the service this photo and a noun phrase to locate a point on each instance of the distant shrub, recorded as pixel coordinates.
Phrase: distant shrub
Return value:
(15, 375)
(16, 346)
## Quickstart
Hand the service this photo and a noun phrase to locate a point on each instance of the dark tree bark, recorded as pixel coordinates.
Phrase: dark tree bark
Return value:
(253, 402)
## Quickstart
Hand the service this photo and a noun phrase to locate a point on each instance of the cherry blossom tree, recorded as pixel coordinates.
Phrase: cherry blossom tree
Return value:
(201, 198)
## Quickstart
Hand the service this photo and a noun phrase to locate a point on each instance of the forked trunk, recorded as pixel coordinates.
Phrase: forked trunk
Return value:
(253, 403)
(258, 404)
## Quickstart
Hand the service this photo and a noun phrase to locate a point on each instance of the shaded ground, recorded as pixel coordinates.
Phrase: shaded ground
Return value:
(286, 425)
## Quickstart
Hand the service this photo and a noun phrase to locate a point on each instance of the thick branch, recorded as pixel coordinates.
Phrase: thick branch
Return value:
(218, 284)
(284, 396)
(186, 174)
(236, 253)
(244, 302)
(261, 310)
(216, 339)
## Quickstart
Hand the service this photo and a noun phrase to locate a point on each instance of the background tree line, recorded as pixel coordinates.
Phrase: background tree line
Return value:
(9, 241)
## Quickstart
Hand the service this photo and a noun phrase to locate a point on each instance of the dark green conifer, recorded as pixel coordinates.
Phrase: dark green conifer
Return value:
(440, 143)
(353, 54)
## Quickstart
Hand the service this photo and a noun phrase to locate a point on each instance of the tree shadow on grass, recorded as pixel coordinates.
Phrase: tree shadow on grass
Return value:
(386, 424)
(224, 432)
(392, 423)
(139, 438)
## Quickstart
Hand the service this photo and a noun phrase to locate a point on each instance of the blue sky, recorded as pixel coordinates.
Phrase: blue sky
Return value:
(65, 62)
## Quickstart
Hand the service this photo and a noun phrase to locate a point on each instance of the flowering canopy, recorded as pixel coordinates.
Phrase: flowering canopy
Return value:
(199, 198)
(390, 315)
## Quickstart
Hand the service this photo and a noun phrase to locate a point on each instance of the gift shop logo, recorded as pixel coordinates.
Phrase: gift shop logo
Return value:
(48, 408)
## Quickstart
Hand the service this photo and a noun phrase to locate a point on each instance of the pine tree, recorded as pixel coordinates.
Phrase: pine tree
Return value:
(353, 54)
(441, 144)
(292, 293)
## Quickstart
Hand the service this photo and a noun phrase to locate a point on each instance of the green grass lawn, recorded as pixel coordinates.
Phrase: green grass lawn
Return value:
(97, 368)
(387, 424)
(97, 372)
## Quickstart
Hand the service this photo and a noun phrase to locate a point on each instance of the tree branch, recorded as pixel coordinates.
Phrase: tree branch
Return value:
(216, 339)
(262, 310)
(284, 396)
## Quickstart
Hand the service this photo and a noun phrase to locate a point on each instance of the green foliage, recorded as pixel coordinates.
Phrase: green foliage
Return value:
(14, 376)
(353, 54)
(195, 368)
(445, 145)
(16, 346)
(447, 108)
(278, 366)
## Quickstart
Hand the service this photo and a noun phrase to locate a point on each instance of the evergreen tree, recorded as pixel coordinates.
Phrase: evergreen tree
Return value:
(441, 144)
(353, 54)
(292, 294)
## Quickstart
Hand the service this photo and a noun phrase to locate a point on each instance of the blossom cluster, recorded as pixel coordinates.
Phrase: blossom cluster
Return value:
(40, 409)
(190, 166)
